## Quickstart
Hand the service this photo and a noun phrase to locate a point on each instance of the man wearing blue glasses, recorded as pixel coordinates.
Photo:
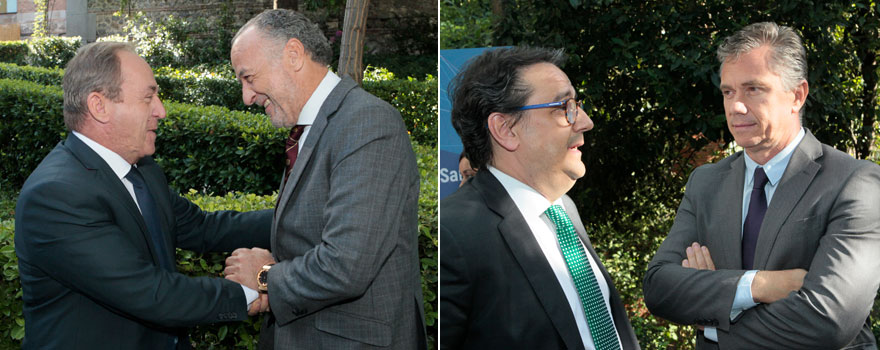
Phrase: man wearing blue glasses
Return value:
(517, 269)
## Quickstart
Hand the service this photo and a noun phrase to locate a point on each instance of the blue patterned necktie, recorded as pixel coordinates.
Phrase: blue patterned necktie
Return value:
(754, 218)
(601, 328)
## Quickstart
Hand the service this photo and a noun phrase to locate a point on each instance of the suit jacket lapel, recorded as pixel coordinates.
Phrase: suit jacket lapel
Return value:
(328, 108)
(531, 259)
(798, 175)
(728, 252)
(104, 176)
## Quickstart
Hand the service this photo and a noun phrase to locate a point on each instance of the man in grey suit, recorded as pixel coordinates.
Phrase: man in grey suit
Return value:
(793, 225)
(517, 269)
(344, 268)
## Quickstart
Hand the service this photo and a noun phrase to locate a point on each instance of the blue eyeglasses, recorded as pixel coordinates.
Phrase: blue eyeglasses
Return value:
(570, 105)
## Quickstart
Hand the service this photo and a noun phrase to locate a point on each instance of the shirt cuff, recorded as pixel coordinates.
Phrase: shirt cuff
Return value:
(250, 294)
(711, 333)
(743, 300)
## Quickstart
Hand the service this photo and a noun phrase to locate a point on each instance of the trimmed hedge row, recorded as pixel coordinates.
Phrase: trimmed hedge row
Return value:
(53, 51)
(416, 100)
(233, 151)
(238, 335)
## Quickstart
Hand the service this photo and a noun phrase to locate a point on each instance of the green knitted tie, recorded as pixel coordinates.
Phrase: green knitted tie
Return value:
(601, 328)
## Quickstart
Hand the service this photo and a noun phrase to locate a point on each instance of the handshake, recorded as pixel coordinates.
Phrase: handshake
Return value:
(242, 266)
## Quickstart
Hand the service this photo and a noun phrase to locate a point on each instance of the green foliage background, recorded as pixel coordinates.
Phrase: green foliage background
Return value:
(648, 73)
(217, 151)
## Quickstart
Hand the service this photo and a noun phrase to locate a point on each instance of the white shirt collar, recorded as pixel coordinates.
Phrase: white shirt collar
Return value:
(775, 167)
(119, 165)
(313, 105)
(527, 199)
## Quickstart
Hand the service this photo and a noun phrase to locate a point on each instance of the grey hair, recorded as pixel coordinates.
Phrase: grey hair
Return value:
(788, 58)
(94, 68)
(281, 25)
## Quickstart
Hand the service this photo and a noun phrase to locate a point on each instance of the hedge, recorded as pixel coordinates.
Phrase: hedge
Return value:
(53, 51)
(13, 52)
(236, 335)
(416, 100)
(233, 151)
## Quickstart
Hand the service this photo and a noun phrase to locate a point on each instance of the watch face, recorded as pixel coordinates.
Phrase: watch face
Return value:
(264, 277)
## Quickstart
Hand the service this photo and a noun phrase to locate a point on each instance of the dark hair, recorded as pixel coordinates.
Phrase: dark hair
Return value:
(282, 25)
(491, 83)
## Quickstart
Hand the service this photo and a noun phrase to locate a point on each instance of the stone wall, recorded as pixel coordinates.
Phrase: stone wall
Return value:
(25, 17)
(387, 20)
(158, 10)
(391, 24)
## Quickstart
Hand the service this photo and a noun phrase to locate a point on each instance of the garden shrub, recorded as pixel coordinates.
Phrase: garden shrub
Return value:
(53, 51)
(415, 99)
(13, 52)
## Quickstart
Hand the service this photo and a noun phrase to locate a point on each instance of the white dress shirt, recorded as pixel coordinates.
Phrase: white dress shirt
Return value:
(774, 168)
(532, 206)
(121, 168)
(313, 105)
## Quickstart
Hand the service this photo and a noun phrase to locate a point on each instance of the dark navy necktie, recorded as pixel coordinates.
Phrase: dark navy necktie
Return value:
(151, 217)
(754, 218)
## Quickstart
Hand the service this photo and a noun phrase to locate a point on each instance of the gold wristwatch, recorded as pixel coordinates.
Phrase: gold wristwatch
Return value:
(263, 278)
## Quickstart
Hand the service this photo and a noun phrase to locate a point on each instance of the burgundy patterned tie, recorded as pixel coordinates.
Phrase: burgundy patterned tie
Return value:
(291, 148)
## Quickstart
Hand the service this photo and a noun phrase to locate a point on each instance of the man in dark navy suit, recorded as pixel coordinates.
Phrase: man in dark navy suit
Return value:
(97, 225)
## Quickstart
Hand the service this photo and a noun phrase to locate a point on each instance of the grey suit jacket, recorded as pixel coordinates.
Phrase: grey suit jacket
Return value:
(345, 234)
(824, 217)
(497, 290)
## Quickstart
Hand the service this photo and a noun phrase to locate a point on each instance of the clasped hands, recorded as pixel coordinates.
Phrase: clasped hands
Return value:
(242, 266)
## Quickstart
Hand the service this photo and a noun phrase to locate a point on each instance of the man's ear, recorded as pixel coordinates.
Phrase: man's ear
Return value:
(294, 54)
(98, 106)
(501, 128)
(800, 96)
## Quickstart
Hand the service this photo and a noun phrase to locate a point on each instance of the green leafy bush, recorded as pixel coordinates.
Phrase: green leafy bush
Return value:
(13, 51)
(417, 102)
(428, 228)
(12, 327)
(31, 124)
(216, 150)
(53, 51)
(415, 99)
(39, 75)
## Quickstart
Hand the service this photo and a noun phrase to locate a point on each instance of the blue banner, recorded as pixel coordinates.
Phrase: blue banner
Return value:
(451, 62)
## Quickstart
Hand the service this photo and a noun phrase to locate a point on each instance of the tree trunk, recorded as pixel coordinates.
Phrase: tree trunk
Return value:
(353, 29)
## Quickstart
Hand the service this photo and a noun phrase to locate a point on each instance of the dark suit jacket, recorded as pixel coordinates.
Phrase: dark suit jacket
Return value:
(824, 217)
(345, 233)
(88, 270)
(497, 290)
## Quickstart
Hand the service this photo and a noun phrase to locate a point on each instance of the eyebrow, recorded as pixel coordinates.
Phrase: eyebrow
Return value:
(562, 96)
(240, 73)
(748, 83)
